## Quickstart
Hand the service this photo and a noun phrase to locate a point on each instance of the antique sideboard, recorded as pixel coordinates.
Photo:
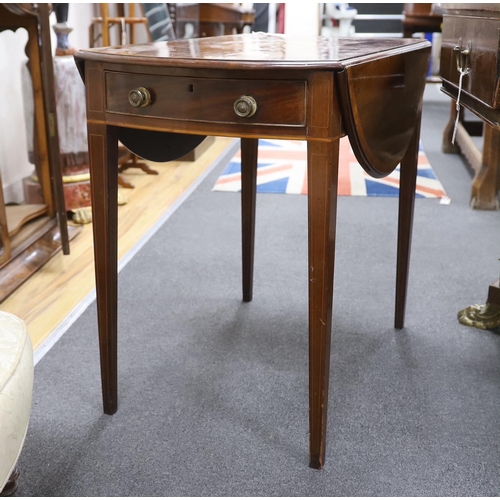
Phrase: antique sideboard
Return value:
(471, 44)
(471, 39)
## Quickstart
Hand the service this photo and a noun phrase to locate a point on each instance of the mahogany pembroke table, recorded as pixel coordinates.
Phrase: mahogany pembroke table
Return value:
(255, 86)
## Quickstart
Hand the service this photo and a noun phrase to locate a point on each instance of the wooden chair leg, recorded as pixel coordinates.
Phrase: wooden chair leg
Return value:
(105, 24)
(51, 117)
(10, 488)
(322, 198)
(103, 153)
(91, 36)
(131, 13)
(408, 182)
(249, 153)
(5, 252)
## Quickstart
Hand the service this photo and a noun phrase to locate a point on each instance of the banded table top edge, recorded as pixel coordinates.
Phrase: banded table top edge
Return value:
(255, 51)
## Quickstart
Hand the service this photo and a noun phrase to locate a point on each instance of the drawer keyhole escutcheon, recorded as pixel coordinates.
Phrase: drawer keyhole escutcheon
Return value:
(245, 106)
(139, 97)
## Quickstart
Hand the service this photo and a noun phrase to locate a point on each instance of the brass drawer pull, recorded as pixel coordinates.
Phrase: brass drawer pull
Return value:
(245, 106)
(139, 97)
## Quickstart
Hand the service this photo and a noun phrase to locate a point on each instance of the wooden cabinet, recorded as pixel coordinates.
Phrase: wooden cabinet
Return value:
(209, 19)
(471, 40)
(480, 36)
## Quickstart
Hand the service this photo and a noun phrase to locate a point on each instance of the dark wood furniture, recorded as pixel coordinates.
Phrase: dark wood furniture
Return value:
(471, 39)
(481, 92)
(10, 488)
(209, 19)
(421, 18)
(250, 86)
(30, 234)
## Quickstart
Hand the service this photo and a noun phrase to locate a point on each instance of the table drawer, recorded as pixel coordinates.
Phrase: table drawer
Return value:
(209, 100)
(482, 82)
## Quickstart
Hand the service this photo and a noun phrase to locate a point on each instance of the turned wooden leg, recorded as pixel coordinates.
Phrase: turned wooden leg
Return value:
(10, 488)
(322, 174)
(408, 182)
(484, 192)
(4, 230)
(103, 152)
(249, 153)
(447, 146)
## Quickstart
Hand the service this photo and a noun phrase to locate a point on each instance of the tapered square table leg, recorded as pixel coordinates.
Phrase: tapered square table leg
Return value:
(249, 152)
(103, 152)
(408, 182)
(322, 194)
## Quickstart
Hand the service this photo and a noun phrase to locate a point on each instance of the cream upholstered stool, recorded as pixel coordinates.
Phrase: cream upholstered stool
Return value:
(16, 388)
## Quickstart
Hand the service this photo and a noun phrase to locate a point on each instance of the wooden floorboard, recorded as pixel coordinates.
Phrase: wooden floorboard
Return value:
(50, 295)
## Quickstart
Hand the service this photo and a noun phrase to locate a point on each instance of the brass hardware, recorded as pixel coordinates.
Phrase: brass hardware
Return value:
(245, 106)
(485, 317)
(139, 98)
(52, 125)
(463, 56)
(463, 68)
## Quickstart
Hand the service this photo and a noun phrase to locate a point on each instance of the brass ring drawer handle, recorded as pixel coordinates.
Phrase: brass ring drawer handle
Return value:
(245, 106)
(139, 97)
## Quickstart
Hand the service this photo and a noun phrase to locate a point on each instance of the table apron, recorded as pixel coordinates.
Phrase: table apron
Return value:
(214, 129)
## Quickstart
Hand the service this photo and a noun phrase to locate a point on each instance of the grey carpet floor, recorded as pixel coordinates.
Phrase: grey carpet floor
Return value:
(213, 392)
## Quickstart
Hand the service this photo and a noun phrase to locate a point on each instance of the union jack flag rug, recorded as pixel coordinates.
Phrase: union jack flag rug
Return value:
(282, 168)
